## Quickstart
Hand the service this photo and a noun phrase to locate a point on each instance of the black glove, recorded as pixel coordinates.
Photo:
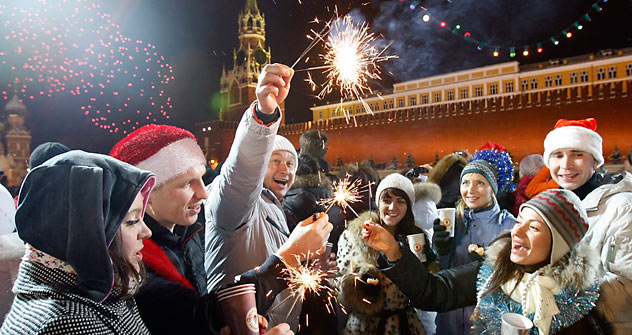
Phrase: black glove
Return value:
(441, 240)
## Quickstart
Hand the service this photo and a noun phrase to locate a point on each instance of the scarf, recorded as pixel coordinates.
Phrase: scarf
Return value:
(536, 294)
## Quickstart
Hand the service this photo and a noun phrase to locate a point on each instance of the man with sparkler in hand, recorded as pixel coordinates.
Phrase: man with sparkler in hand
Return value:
(245, 222)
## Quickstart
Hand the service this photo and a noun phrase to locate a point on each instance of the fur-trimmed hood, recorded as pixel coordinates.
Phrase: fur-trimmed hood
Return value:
(313, 180)
(438, 172)
(427, 191)
(353, 168)
(580, 268)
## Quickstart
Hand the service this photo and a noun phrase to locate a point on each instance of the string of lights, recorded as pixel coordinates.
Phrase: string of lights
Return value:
(512, 50)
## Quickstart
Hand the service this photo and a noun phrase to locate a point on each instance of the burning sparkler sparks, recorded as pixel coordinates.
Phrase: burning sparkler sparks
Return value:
(344, 194)
(303, 279)
(351, 60)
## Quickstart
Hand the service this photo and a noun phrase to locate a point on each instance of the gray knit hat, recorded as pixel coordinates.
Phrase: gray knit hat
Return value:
(531, 165)
(565, 215)
(396, 180)
(485, 169)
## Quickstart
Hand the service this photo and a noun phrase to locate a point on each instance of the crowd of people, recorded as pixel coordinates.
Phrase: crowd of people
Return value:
(140, 241)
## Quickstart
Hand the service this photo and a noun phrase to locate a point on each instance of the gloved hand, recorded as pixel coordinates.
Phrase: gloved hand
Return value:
(475, 253)
(441, 240)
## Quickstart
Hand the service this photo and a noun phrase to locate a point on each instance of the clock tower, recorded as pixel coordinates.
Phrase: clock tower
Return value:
(237, 86)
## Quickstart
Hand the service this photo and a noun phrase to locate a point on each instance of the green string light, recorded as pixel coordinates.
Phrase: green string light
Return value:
(577, 25)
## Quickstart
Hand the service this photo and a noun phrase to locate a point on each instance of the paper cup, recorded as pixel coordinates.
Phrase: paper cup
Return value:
(447, 217)
(515, 324)
(416, 243)
(321, 262)
(239, 307)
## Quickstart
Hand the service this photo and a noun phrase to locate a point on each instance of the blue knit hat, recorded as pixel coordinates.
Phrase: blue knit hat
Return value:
(483, 168)
(503, 165)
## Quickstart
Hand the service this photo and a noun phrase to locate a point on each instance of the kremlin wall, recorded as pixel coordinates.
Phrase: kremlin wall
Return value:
(401, 123)
(509, 103)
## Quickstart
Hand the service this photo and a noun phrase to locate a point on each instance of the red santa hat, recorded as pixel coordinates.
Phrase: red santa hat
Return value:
(574, 134)
(167, 151)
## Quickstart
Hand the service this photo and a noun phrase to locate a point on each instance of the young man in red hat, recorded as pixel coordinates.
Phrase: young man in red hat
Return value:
(245, 222)
(573, 153)
(174, 299)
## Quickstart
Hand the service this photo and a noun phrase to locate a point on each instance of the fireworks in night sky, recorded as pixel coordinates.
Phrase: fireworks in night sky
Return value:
(72, 50)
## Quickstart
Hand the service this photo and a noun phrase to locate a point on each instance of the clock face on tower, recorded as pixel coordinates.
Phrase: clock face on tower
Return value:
(261, 56)
(241, 57)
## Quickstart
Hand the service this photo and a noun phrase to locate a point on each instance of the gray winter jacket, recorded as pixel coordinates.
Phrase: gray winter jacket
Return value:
(244, 221)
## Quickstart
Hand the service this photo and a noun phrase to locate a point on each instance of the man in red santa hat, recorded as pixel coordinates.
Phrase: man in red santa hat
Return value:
(573, 153)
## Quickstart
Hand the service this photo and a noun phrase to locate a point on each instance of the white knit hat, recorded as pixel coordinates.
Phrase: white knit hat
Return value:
(283, 144)
(574, 134)
(396, 180)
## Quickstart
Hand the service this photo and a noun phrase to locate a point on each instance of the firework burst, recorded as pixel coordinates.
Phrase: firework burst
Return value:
(351, 60)
(72, 50)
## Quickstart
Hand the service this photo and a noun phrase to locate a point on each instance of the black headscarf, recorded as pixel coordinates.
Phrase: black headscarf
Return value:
(71, 207)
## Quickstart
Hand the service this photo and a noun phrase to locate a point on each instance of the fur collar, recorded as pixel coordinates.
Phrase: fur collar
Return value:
(426, 190)
(580, 268)
(354, 229)
(312, 181)
(442, 167)
(353, 168)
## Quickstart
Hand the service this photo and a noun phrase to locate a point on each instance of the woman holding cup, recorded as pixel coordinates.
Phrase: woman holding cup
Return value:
(374, 304)
(479, 220)
(540, 270)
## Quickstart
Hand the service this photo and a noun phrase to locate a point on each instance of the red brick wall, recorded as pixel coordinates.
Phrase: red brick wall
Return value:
(425, 131)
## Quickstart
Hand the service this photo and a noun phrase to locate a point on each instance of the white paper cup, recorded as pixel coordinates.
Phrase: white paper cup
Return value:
(447, 217)
(515, 324)
(416, 244)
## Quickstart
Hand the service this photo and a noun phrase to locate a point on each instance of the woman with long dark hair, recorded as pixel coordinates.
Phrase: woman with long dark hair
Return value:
(376, 305)
(540, 270)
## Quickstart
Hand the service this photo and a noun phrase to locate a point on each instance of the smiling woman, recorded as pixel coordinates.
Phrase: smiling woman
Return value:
(375, 304)
(543, 271)
(479, 221)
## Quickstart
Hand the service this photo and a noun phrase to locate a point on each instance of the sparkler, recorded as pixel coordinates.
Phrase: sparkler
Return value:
(351, 60)
(72, 50)
(345, 192)
(303, 279)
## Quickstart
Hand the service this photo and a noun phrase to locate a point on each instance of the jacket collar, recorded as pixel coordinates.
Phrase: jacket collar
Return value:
(163, 236)
(266, 193)
(484, 214)
(592, 200)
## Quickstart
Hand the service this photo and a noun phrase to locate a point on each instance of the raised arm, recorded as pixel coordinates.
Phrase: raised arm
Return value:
(233, 194)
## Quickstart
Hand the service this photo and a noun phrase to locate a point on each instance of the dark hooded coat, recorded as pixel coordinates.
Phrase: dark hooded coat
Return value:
(71, 207)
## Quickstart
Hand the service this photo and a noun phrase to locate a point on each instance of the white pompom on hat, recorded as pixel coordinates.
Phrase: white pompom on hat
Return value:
(574, 134)
(167, 151)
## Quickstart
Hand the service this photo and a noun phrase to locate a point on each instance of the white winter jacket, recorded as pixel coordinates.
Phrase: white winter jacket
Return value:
(609, 209)
(244, 221)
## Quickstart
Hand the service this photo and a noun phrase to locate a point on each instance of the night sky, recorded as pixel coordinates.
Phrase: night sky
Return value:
(198, 37)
